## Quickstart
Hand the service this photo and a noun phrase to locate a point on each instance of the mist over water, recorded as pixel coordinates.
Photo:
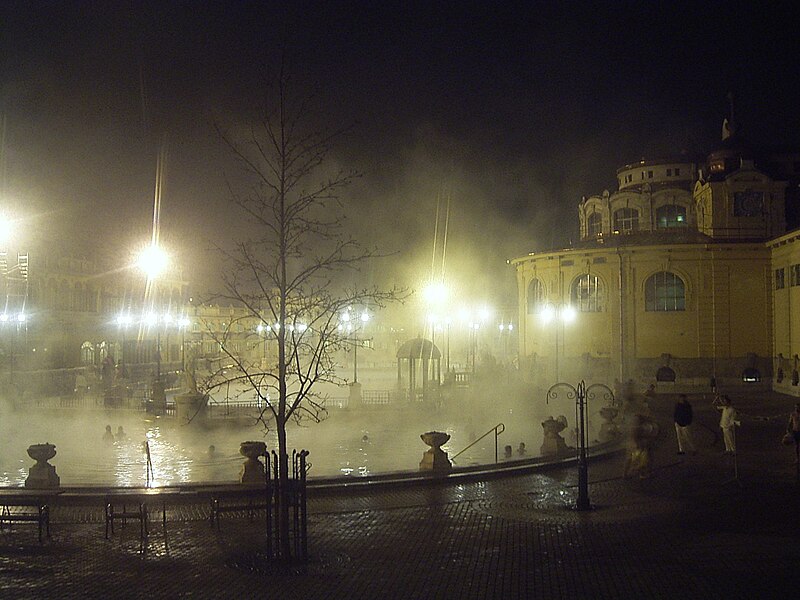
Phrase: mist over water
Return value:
(355, 442)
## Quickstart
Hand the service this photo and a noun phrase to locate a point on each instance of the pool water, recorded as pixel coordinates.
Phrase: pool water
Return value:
(347, 443)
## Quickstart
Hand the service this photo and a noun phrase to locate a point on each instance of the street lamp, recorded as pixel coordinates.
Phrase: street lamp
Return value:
(183, 323)
(581, 394)
(124, 320)
(347, 325)
(559, 314)
(152, 261)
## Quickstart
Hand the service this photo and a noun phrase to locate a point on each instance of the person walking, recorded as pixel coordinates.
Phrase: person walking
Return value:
(682, 415)
(727, 421)
(793, 428)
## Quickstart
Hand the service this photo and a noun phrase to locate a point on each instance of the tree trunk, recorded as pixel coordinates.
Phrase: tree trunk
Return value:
(284, 545)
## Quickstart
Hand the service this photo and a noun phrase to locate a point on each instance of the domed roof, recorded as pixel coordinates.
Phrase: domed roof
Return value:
(419, 348)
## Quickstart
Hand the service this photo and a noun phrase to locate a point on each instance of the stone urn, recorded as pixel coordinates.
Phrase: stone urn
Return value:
(435, 459)
(553, 443)
(252, 469)
(608, 430)
(42, 474)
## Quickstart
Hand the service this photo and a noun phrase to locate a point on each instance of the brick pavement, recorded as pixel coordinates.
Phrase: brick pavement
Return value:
(685, 532)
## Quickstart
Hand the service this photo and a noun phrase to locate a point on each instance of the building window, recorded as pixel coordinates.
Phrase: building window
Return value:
(670, 215)
(535, 296)
(626, 220)
(649, 174)
(669, 172)
(751, 375)
(665, 292)
(677, 172)
(780, 280)
(594, 224)
(587, 293)
(665, 374)
(794, 275)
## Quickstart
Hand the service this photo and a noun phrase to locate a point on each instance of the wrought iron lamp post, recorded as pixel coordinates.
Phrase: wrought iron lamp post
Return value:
(581, 394)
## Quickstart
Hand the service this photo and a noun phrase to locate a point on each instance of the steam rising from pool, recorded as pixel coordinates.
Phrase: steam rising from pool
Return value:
(354, 442)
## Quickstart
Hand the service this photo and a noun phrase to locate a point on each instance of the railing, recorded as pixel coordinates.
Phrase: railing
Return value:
(497, 430)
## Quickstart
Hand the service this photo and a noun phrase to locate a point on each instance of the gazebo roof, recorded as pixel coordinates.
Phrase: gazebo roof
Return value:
(419, 348)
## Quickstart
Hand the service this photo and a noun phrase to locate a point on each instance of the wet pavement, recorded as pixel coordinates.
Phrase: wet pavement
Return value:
(690, 530)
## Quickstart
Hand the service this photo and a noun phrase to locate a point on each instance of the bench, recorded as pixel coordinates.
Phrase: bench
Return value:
(237, 498)
(33, 507)
(132, 503)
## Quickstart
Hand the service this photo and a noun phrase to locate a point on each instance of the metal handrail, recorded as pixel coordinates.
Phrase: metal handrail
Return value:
(497, 429)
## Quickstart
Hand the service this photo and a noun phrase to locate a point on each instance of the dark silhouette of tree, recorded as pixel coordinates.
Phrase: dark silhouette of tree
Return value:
(289, 275)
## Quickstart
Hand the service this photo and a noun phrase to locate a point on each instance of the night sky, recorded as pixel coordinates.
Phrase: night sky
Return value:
(515, 110)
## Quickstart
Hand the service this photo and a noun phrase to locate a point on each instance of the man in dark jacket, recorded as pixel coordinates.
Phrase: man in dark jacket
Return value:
(683, 421)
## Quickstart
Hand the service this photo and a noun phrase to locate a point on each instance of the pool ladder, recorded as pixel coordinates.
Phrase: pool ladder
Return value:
(497, 430)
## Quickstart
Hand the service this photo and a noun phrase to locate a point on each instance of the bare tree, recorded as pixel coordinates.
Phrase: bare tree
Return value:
(289, 275)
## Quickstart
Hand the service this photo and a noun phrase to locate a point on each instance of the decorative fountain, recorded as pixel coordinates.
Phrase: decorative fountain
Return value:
(553, 443)
(190, 405)
(42, 475)
(252, 469)
(435, 459)
(608, 430)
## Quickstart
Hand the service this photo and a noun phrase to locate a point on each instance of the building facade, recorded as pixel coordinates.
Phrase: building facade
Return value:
(681, 275)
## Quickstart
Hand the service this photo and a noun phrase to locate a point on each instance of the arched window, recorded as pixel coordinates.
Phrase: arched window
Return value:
(594, 224)
(670, 215)
(665, 374)
(535, 296)
(587, 293)
(87, 353)
(626, 220)
(664, 291)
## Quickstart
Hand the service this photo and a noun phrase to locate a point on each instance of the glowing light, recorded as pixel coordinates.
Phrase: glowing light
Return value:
(364, 317)
(124, 320)
(153, 261)
(21, 317)
(547, 313)
(435, 293)
(6, 229)
(568, 314)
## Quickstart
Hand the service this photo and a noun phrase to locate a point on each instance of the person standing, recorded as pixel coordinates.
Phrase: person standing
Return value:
(727, 421)
(682, 415)
(794, 429)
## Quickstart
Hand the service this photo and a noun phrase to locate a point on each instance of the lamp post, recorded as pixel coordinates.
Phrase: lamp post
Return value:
(347, 325)
(559, 314)
(183, 324)
(581, 394)
(123, 321)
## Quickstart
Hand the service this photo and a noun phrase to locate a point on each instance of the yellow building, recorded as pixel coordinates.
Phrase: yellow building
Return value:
(674, 279)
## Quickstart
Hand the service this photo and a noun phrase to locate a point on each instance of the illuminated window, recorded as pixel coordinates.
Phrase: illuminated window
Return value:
(665, 292)
(594, 224)
(670, 215)
(751, 375)
(587, 293)
(780, 279)
(626, 220)
(535, 296)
